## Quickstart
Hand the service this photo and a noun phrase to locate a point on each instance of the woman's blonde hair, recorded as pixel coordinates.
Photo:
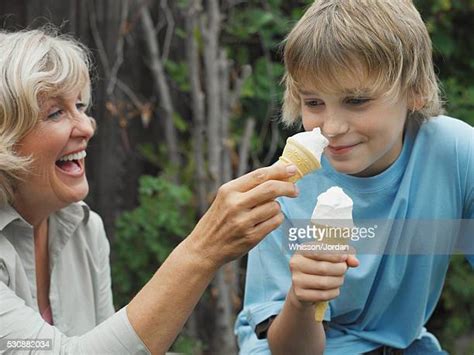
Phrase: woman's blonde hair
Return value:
(34, 65)
(381, 44)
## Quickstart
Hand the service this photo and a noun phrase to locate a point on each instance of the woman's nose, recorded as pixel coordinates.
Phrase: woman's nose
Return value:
(83, 126)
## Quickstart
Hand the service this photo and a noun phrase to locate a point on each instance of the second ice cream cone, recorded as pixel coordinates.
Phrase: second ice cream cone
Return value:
(320, 307)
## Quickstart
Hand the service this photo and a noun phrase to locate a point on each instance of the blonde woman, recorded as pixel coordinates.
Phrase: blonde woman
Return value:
(54, 256)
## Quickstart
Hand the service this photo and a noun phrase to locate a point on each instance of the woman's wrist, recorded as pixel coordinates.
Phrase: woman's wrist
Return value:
(199, 254)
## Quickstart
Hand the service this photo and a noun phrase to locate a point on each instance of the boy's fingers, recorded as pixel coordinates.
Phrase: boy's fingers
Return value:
(322, 282)
(277, 171)
(325, 256)
(352, 261)
(311, 267)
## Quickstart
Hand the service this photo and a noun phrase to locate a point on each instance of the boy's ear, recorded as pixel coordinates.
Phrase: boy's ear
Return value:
(415, 102)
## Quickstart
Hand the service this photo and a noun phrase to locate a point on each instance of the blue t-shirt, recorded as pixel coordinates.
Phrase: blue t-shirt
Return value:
(388, 299)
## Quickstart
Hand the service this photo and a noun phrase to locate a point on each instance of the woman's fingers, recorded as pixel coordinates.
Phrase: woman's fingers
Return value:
(259, 231)
(263, 212)
(268, 191)
(244, 211)
(277, 171)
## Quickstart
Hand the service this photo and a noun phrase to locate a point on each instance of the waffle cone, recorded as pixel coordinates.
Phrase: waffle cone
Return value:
(320, 307)
(295, 153)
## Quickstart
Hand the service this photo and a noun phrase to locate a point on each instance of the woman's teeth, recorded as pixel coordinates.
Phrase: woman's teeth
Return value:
(75, 156)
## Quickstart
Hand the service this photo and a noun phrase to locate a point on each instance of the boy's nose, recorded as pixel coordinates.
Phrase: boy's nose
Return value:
(334, 126)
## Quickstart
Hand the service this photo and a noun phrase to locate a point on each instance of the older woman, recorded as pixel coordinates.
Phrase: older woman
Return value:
(54, 265)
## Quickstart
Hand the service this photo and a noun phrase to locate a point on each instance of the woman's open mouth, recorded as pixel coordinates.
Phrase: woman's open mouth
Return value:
(72, 164)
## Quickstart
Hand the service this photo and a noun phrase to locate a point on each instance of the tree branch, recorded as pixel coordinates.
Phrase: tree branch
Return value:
(197, 102)
(169, 29)
(159, 77)
(211, 38)
(245, 146)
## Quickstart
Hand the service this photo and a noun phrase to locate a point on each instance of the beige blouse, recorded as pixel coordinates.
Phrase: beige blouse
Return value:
(80, 293)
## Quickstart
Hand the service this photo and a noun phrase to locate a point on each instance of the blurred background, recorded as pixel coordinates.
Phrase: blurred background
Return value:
(187, 96)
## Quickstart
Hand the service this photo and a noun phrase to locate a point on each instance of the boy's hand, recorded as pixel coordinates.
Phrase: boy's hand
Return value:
(317, 277)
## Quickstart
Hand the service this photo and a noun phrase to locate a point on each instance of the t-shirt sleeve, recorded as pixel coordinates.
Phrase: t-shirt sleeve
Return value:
(267, 283)
(18, 321)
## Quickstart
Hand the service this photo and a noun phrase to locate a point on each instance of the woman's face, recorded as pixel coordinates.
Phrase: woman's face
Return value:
(57, 146)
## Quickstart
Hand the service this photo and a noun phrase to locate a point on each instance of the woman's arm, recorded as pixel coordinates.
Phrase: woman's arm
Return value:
(243, 213)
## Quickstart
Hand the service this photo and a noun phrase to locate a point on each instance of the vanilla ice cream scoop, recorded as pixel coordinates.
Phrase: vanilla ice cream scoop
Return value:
(304, 151)
(334, 204)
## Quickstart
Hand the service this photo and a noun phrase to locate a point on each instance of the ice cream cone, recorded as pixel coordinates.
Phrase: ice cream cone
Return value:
(333, 211)
(305, 161)
(320, 307)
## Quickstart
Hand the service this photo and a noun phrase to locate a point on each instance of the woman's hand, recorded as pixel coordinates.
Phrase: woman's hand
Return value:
(317, 277)
(242, 214)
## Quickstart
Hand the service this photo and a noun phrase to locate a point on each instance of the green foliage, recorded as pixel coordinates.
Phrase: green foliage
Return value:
(187, 345)
(455, 313)
(263, 83)
(178, 71)
(460, 99)
(146, 235)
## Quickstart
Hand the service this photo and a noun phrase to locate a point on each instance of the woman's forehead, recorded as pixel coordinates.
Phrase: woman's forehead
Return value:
(61, 95)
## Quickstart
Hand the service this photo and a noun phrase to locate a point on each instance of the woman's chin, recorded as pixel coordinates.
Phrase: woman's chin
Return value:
(69, 194)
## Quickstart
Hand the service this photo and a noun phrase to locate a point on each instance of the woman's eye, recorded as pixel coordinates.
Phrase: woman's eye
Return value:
(357, 101)
(55, 115)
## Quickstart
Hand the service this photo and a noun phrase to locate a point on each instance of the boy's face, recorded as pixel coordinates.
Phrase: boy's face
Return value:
(365, 132)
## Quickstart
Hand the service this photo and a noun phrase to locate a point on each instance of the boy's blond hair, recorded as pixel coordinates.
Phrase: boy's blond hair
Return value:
(382, 45)
(34, 65)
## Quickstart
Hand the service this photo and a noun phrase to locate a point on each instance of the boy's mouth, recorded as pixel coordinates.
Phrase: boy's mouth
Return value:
(342, 149)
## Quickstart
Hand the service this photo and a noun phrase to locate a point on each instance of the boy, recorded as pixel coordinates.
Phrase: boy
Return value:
(362, 71)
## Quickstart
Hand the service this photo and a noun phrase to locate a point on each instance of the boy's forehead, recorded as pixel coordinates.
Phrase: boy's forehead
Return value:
(309, 89)
(348, 83)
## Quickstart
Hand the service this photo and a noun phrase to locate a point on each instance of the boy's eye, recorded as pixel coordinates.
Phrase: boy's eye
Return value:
(313, 103)
(357, 101)
(81, 106)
